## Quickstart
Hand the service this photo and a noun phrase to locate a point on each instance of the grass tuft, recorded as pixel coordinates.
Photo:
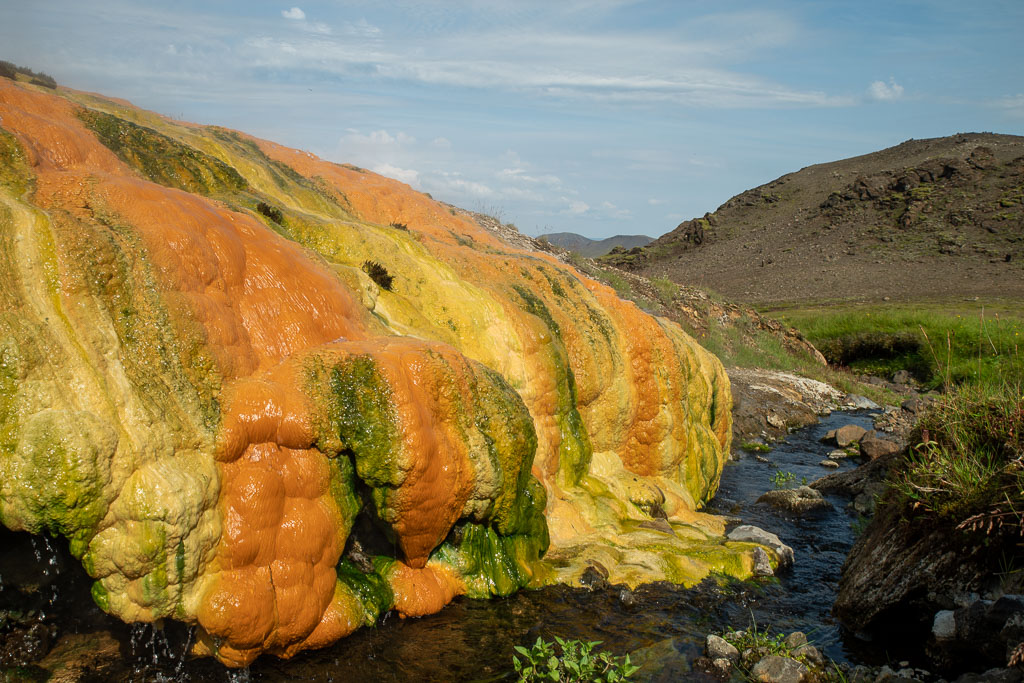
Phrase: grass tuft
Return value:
(967, 467)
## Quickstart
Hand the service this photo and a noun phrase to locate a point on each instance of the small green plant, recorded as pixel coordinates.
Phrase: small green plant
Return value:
(755, 447)
(379, 274)
(400, 226)
(577, 661)
(781, 480)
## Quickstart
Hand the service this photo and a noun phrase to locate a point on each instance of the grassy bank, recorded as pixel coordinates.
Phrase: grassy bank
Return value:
(941, 344)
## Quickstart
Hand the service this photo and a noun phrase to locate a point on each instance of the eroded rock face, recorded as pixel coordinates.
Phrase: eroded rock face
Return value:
(900, 573)
(234, 426)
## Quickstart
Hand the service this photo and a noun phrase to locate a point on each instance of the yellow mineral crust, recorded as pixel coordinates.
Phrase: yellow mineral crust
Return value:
(236, 373)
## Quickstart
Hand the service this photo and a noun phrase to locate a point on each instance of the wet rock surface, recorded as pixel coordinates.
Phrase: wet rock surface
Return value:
(798, 501)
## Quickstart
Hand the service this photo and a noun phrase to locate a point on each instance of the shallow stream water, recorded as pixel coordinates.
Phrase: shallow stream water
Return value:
(661, 625)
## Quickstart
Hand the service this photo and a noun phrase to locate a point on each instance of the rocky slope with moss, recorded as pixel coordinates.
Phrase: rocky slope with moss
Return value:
(274, 397)
(924, 219)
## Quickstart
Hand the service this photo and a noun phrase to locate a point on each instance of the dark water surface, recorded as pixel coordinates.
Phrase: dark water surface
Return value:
(662, 626)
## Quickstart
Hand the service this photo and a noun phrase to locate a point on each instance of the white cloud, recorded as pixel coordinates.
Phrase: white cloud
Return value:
(376, 138)
(361, 28)
(441, 181)
(883, 92)
(655, 202)
(406, 175)
(294, 13)
(620, 68)
(575, 207)
(1012, 104)
(613, 211)
(520, 175)
(442, 143)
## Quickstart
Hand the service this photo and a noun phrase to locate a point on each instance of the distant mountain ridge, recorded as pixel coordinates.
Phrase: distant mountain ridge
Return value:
(935, 218)
(594, 248)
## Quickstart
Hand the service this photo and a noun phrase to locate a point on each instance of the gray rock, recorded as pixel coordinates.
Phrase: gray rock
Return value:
(914, 405)
(810, 654)
(944, 625)
(838, 454)
(798, 500)
(748, 533)
(887, 675)
(864, 502)
(775, 669)
(721, 667)
(831, 464)
(860, 674)
(796, 639)
(716, 647)
(902, 377)
(849, 434)
(993, 676)
(873, 447)
(860, 402)
(762, 563)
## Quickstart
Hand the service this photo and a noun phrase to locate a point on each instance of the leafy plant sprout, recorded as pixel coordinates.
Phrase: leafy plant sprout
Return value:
(577, 661)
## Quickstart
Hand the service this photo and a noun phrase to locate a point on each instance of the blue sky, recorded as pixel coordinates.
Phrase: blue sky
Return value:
(599, 117)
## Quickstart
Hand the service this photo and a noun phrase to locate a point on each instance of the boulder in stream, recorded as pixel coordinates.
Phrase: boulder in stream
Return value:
(849, 434)
(749, 533)
(873, 446)
(799, 500)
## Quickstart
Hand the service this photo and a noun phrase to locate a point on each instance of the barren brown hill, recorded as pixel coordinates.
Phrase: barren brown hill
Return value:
(925, 219)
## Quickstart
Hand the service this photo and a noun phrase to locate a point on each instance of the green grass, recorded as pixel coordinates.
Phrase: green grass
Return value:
(967, 463)
(940, 344)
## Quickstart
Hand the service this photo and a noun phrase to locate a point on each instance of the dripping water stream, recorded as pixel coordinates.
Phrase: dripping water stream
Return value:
(663, 626)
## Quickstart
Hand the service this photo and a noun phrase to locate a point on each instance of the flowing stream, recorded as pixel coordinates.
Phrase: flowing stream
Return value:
(663, 626)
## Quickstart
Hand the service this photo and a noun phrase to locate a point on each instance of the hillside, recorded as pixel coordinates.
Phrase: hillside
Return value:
(933, 218)
(585, 246)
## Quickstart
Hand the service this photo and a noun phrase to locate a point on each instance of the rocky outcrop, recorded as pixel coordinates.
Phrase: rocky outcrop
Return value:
(275, 397)
(900, 573)
(768, 403)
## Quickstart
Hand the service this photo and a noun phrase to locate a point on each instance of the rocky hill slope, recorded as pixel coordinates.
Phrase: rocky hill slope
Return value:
(276, 397)
(924, 219)
(585, 246)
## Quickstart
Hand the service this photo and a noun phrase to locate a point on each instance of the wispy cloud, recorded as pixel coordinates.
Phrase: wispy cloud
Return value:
(406, 175)
(361, 28)
(885, 92)
(295, 13)
(607, 68)
(1012, 105)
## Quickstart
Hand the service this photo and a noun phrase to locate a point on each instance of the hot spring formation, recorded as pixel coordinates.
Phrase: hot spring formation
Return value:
(234, 425)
